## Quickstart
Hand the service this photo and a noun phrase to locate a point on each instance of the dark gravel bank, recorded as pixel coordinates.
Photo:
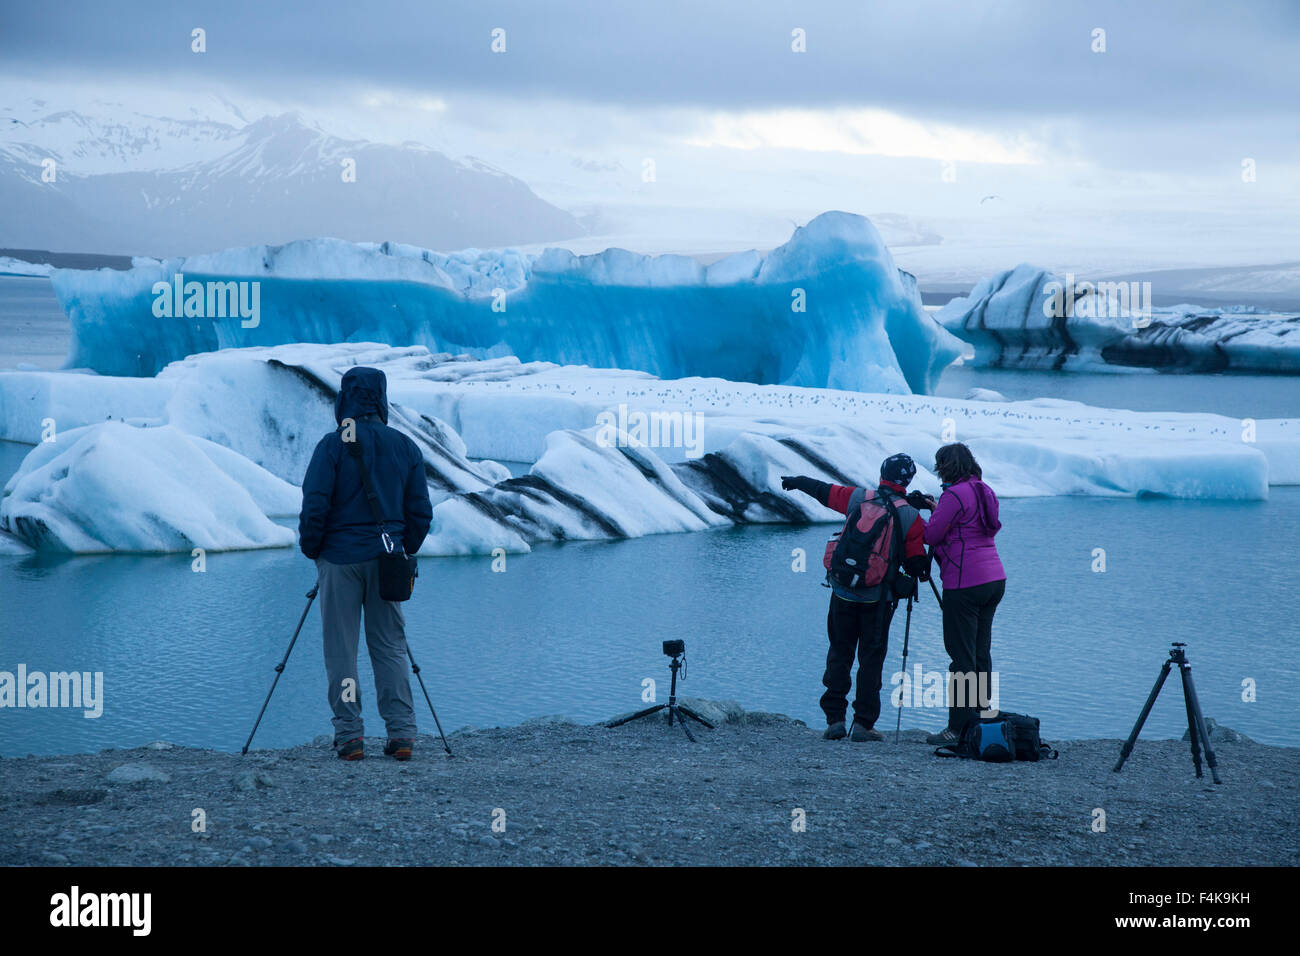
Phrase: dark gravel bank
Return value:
(642, 794)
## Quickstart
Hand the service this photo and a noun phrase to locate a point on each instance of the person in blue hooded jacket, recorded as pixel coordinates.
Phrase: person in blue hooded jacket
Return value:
(337, 530)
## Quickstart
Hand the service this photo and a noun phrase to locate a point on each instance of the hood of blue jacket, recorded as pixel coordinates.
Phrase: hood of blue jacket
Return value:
(364, 392)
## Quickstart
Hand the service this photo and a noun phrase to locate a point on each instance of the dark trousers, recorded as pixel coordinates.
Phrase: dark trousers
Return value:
(968, 639)
(861, 629)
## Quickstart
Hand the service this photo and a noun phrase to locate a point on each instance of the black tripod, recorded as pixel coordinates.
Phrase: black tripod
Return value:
(279, 668)
(1195, 722)
(415, 669)
(677, 651)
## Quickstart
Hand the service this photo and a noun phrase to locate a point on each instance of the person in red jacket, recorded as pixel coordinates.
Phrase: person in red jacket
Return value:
(858, 620)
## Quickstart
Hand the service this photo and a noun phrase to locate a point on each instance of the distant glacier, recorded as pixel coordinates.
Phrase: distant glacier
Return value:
(829, 308)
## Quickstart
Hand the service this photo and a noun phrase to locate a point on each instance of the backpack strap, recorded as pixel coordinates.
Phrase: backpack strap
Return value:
(354, 449)
(856, 498)
(886, 497)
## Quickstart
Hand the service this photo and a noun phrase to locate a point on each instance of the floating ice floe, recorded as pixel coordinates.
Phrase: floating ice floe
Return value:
(828, 308)
(117, 487)
(1027, 317)
(602, 453)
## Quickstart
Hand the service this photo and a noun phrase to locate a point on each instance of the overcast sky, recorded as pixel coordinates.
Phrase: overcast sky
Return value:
(1011, 90)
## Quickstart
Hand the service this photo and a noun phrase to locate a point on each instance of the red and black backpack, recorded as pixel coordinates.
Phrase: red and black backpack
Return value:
(866, 552)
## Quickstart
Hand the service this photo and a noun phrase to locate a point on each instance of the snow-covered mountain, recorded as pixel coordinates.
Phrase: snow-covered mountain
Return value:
(129, 183)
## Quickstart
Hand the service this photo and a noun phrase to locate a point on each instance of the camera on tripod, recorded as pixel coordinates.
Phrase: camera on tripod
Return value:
(676, 712)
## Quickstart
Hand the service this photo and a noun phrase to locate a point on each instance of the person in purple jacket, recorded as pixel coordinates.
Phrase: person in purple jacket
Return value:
(960, 532)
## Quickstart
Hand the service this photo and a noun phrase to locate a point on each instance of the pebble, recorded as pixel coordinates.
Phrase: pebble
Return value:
(138, 773)
(250, 780)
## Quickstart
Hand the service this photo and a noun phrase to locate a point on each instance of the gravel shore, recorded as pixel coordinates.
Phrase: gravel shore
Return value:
(552, 792)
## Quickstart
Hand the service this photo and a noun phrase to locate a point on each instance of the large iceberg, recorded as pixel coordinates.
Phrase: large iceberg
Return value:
(829, 308)
(522, 453)
(1027, 317)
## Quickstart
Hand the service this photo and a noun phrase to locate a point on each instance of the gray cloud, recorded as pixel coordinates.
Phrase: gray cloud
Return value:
(957, 61)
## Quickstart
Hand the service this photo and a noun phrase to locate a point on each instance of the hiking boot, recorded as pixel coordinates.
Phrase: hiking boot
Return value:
(834, 731)
(944, 738)
(354, 749)
(399, 748)
(861, 734)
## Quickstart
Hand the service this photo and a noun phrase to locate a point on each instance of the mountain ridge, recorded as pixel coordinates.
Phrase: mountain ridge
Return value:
(135, 184)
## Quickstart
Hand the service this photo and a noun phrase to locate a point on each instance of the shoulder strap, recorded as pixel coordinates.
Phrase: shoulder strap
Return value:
(856, 497)
(886, 497)
(354, 449)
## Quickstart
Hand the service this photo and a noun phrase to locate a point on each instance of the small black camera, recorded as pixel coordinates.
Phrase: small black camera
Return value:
(674, 648)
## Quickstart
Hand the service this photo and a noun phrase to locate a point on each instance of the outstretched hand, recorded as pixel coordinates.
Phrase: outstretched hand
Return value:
(789, 482)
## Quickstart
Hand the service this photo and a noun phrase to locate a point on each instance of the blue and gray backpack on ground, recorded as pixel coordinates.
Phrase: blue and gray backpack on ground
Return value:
(1001, 739)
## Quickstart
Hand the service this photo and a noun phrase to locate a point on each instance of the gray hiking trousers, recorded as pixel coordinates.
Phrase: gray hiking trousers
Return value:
(344, 590)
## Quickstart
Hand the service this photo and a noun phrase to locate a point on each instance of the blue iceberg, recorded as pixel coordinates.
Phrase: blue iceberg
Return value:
(829, 308)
